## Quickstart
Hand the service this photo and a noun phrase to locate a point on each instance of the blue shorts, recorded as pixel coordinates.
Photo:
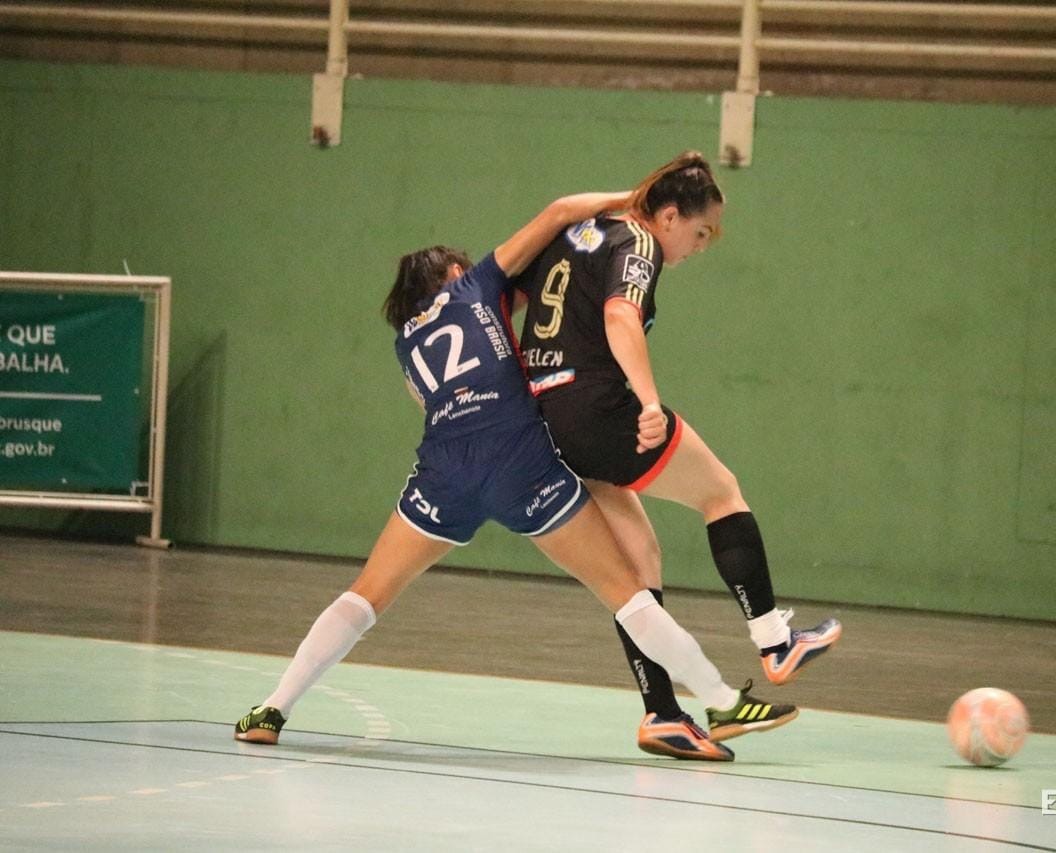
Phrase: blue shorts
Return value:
(512, 476)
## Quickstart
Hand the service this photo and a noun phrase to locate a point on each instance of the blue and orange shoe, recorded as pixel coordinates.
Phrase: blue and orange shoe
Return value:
(783, 663)
(680, 738)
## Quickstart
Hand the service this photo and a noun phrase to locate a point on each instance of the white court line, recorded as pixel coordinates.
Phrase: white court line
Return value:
(379, 727)
(150, 792)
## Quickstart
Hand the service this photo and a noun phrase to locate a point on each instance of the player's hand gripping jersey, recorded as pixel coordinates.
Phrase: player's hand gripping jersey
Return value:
(563, 339)
(459, 357)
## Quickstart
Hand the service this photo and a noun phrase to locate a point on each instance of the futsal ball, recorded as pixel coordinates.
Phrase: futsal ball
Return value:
(987, 726)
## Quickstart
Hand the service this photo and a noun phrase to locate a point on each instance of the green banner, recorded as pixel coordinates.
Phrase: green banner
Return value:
(71, 412)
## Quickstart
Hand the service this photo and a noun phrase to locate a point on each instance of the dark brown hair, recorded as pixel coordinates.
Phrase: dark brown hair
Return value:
(686, 182)
(420, 274)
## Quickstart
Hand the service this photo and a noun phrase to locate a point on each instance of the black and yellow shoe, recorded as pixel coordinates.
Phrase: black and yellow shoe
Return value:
(748, 715)
(260, 725)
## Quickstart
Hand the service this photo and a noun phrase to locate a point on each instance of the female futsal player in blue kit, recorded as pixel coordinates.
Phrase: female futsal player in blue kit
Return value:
(592, 295)
(486, 453)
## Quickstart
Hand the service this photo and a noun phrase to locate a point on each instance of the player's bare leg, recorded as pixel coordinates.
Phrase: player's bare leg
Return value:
(697, 479)
(400, 554)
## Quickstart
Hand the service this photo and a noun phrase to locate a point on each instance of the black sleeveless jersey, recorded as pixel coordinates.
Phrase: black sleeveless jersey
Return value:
(563, 339)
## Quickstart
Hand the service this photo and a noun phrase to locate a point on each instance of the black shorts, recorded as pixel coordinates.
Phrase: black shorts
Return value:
(596, 429)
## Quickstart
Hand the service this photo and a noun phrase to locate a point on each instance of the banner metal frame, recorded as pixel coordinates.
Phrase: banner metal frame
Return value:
(160, 289)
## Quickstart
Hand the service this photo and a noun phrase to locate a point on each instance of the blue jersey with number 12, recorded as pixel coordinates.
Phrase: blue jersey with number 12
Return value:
(459, 355)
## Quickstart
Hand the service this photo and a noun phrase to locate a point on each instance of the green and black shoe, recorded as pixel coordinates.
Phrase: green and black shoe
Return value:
(748, 715)
(261, 725)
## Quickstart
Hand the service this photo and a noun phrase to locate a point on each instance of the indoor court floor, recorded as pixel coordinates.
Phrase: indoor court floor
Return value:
(485, 712)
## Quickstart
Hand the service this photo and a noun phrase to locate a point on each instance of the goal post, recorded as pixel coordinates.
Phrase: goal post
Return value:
(84, 363)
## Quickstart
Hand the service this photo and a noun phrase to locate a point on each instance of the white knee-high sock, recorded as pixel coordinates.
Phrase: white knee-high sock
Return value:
(333, 635)
(666, 642)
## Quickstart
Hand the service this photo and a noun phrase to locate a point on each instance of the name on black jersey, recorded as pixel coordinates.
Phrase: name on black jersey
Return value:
(536, 357)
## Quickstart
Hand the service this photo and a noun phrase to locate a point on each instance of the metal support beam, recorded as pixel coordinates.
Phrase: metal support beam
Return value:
(737, 128)
(328, 89)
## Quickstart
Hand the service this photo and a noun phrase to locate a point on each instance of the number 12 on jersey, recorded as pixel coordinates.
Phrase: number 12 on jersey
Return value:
(453, 367)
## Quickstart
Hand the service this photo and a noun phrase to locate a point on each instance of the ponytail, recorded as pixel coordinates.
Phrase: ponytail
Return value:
(686, 182)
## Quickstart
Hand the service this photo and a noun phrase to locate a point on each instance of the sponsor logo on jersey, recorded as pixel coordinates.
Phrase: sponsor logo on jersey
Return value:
(493, 328)
(428, 315)
(638, 271)
(551, 380)
(466, 401)
(465, 396)
(545, 496)
(585, 237)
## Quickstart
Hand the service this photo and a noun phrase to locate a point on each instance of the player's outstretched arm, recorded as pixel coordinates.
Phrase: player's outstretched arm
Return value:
(517, 252)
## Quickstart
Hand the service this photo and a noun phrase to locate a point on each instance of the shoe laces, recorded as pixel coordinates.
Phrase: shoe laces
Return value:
(746, 694)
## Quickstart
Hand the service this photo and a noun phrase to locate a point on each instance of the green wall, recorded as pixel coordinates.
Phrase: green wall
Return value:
(871, 347)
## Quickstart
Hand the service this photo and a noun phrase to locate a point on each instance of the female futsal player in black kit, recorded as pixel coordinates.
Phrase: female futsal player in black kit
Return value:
(591, 300)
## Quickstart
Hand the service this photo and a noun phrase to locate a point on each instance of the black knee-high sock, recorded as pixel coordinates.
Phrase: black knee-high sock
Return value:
(737, 548)
(658, 694)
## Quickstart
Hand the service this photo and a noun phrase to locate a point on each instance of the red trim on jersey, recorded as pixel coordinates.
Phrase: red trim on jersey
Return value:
(628, 301)
(507, 316)
(661, 463)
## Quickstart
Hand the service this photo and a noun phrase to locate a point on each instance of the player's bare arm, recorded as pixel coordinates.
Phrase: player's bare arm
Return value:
(518, 251)
(623, 329)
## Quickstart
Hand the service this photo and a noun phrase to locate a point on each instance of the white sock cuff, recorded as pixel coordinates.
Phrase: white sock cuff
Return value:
(357, 600)
(770, 629)
(639, 601)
